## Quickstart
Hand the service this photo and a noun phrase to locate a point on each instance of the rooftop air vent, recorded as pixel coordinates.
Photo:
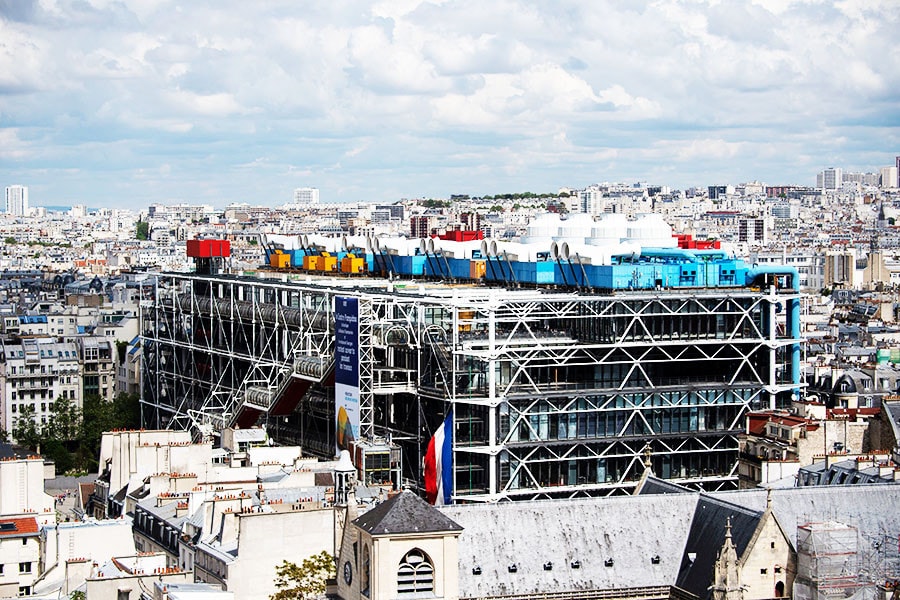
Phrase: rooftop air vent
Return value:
(576, 564)
(608, 562)
(513, 568)
(548, 566)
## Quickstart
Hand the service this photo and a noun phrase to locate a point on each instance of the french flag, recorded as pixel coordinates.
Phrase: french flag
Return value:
(439, 463)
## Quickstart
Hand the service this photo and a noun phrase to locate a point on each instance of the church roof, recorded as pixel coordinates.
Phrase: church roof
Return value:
(405, 513)
(654, 485)
(514, 548)
(707, 534)
(627, 542)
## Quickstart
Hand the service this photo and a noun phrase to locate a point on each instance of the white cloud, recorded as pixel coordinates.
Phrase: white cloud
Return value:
(12, 148)
(424, 90)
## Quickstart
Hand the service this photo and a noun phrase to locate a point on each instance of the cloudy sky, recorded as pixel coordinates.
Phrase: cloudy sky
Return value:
(125, 103)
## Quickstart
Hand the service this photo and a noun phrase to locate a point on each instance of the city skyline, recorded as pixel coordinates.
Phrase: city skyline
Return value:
(126, 104)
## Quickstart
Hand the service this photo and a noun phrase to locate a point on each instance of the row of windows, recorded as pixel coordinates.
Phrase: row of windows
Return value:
(24, 567)
(210, 564)
(32, 370)
(65, 394)
(469, 478)
(41, 381)
(613, 423)
(12, 353)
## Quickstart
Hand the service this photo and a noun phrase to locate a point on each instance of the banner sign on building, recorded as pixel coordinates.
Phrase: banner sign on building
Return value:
(346, 371)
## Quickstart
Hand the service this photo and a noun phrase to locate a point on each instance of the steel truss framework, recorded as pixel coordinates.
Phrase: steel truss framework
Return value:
(555, 394)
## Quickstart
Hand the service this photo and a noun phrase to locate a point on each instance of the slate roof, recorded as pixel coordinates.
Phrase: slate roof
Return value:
(13, 451)
(654, 485)
(613, 541)
(632, 530)
(707, 534)
(869, 507)
(405, 513)
(893, 409)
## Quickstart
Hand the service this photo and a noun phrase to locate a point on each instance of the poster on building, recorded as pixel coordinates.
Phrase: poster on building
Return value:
(346, 371)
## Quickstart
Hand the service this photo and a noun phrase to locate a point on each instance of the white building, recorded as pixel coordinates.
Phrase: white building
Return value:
(22, 489)
(306, 196)
(35, 373)
(888, 177)
(830, 179)
(17, 200)
(753, 230)
(71, 551)
(590, 200)
(20, 554)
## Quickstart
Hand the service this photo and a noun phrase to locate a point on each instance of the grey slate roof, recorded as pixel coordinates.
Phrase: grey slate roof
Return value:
(893, 410)
(405, 513)
(628, 531)
(633, 529)
(872, 508)
(707, 534)
(655, 485)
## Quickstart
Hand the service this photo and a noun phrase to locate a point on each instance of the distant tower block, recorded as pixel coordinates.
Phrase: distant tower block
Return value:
(306, 196)
(17, 200)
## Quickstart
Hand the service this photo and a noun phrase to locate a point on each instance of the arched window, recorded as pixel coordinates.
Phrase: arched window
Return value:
(365, 571)
(416, 573)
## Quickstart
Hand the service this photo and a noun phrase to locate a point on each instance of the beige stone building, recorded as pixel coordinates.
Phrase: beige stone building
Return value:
(401, 548)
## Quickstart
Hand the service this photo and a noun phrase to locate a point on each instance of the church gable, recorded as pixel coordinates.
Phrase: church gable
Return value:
(405, 513)
(707, 535)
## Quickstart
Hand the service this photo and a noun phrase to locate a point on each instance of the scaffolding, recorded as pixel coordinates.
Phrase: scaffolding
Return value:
(555, 393)
(828, 565)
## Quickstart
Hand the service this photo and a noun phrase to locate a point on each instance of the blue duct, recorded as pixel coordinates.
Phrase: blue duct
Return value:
(672, 253)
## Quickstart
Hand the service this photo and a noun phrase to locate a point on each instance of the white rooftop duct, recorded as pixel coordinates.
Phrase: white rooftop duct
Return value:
(576, 229)
(282, 242)
(322, 243)
(610, 228)
(542, 229)
(353, 242)
(521, 252)
(453, 249)
(650, 229)
(400, 246)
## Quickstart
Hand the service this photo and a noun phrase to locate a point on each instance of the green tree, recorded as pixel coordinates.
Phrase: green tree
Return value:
(127, 411)
(98, 416)
(303, 582)
(25, 428)
(64, 424)
(143, 230)
(64, 460)
(10, 240)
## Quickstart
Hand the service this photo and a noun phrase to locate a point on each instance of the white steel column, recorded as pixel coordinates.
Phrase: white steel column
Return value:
(493, 486)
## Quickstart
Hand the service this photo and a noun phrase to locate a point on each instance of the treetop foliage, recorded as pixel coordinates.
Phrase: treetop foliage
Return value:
(305, 581)
(71, 436)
